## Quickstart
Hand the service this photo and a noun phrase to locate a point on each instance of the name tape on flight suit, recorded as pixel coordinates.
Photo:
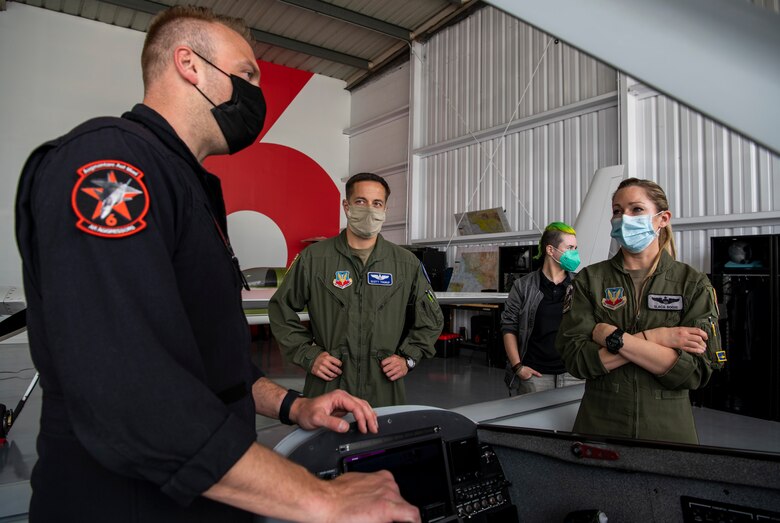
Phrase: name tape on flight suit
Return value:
(380, 278)
(665, 302)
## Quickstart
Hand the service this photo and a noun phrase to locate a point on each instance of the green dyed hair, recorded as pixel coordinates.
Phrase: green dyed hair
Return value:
(552, 235)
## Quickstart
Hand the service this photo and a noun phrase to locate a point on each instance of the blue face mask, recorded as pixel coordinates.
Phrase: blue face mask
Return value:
(569, 260)
(634, 233)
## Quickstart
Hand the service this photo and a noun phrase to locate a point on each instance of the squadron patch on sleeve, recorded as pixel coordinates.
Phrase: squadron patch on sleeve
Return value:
(567, 298)
(715, 300)
(110, 199)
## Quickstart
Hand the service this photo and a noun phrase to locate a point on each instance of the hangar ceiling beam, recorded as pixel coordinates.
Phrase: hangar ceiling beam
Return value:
(152, 8)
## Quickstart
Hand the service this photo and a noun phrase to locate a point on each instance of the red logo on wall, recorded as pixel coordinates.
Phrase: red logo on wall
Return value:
(278, 181)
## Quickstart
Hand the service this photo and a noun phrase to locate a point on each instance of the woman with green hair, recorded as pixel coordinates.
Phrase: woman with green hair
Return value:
(532, 315)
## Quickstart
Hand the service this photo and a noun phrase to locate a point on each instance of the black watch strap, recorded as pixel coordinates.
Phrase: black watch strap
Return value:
(284, 410)
(615, 341)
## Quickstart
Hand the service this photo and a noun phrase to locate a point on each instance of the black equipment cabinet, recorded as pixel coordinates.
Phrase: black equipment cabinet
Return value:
(435, 263)
(746, 277)
(514, 262)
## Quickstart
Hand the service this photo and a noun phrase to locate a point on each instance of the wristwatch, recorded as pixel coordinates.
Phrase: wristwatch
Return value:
(615, 341)
(410, 363)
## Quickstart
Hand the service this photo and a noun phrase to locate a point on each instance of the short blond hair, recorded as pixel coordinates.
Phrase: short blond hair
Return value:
(182, 24)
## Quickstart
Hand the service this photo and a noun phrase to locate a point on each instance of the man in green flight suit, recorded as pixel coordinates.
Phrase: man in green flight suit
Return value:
(373, 313)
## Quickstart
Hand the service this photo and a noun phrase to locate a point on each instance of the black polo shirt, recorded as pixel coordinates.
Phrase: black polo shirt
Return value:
(541, 354)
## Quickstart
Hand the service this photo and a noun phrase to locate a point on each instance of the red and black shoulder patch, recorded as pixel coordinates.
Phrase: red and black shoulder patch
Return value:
(110, 199)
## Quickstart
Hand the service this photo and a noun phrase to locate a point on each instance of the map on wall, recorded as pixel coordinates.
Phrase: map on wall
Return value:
(484, 221)
(475, 270)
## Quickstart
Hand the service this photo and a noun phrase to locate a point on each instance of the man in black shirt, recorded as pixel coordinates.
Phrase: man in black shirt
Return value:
(135, 318)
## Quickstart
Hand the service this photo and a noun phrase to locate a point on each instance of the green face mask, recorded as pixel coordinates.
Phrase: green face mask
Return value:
(569, 260)
(364, 221)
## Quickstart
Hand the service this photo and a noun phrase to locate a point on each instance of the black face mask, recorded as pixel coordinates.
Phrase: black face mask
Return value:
(241, 118)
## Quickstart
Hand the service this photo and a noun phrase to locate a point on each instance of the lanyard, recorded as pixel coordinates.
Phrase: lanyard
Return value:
(233, 258)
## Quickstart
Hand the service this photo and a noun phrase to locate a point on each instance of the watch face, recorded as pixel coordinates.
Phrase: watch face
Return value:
(615, 341)
(410, 363)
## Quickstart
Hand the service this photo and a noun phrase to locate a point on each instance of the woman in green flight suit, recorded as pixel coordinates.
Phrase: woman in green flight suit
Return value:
(641, 328)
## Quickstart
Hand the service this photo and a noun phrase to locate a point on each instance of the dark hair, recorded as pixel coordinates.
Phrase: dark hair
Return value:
(553, 235)
(182, 25)
(366, 177)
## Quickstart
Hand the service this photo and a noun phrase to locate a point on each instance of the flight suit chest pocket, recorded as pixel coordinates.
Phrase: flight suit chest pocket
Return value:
(335, 290)
(664, 394)
(385, 296)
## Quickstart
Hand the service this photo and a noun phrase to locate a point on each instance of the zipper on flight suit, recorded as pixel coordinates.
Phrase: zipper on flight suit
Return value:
(359, 288)
(637, 314)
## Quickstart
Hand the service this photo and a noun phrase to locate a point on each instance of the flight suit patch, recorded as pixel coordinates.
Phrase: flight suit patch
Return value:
(110, 199)
(425, 273)
(615, 298)
(714, 296)
(567, 298)
(665, 302)
(380, 278)
(342, 280)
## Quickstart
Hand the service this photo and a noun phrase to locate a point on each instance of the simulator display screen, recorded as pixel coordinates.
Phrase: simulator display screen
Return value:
(420, 470)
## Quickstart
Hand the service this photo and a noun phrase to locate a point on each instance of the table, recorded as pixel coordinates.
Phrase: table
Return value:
(492, 302)
(259, 298)
(494, 347)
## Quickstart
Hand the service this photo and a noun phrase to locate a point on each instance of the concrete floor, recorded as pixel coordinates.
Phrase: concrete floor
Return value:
(437, 382)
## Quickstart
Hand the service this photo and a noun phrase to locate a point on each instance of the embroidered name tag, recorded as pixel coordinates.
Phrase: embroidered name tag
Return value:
(380, 278)
(665, 302)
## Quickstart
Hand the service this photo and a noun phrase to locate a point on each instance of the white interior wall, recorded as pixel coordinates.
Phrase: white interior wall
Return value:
(379, 140)
(57, 70)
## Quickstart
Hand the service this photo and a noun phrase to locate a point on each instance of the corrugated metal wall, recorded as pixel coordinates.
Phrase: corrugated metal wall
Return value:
(493, 134)
(477, 145)
(712, 176)
(476, 72)
(537, 176)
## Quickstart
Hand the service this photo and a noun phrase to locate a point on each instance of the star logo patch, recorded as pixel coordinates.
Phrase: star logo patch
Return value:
(110, 199)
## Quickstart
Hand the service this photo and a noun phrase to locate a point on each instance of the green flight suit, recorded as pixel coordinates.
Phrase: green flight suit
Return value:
(359, 314)
(630, 401)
